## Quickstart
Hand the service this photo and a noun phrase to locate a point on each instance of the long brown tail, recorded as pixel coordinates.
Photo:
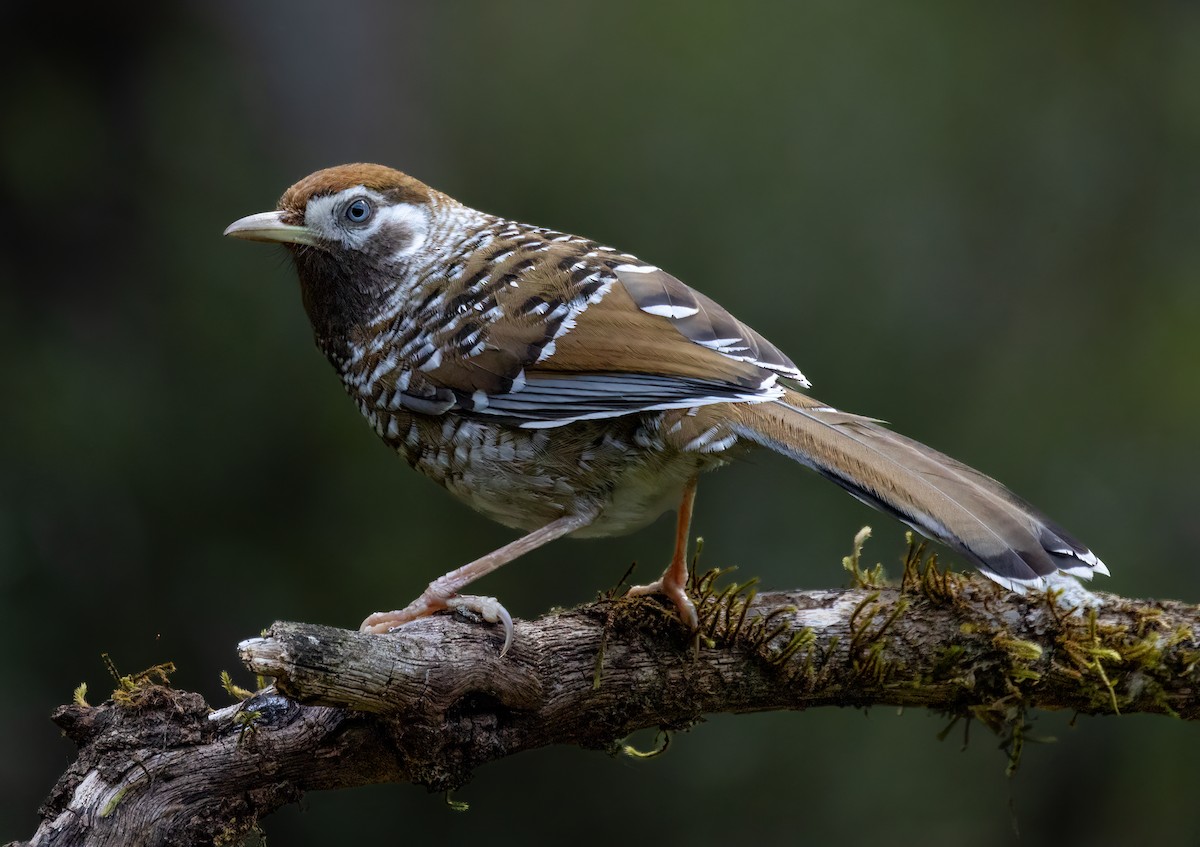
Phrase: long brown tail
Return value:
(1010, 541)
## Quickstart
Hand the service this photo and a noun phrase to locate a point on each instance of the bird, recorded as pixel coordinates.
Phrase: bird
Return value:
(563, 387)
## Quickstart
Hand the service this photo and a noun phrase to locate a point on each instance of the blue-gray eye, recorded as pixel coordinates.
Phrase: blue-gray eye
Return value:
(359, 212)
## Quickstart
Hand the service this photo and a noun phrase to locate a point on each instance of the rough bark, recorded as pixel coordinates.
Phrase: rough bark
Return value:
(430, 705)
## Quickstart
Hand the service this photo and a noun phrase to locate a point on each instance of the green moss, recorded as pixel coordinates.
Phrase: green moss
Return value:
(923, 576)
(247, 719)
(128, 687)
(987, 674)
(1018, 650)
(948, 663)
(805, 639)
(664, 742)
(111, 805)
(861, 578)
(233, 689)
(1116, 665)
(1087, 647)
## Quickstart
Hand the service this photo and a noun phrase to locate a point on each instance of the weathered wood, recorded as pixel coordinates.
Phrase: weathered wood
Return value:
(433, 703)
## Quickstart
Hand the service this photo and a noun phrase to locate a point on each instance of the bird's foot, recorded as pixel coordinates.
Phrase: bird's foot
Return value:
(488, 608)
(675, 591)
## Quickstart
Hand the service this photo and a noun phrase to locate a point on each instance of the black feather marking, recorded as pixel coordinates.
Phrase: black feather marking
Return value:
(477, 277)
(532, 304)
(465, 332)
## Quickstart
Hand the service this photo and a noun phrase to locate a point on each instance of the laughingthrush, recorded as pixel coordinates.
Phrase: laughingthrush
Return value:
(562, 387)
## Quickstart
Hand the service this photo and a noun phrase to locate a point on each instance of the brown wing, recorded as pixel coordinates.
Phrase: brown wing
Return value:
(701, 320)
(650, 322)
(549, 330)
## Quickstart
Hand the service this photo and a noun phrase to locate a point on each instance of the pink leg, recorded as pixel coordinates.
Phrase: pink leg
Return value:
(673, 582)
(442, 593)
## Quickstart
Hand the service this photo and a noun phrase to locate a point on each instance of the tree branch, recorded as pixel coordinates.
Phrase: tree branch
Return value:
(430, 705)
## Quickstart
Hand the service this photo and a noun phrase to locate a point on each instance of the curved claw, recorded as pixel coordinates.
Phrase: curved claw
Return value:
(488, 608)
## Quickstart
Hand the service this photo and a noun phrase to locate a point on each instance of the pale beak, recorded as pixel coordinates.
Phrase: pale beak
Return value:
(268, 226)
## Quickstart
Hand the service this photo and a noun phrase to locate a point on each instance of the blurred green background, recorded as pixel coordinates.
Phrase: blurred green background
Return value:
(977, 222)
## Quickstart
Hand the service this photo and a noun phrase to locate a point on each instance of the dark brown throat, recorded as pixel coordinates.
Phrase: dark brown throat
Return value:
(342, 293)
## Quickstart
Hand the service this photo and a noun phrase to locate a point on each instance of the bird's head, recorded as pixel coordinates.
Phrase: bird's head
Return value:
(352, 231)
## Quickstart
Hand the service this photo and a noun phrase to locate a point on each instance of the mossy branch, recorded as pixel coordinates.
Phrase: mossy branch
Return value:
(157, 766)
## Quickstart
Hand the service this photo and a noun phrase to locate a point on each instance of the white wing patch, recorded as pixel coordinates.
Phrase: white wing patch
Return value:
(673, 312)
(551, 401)
(701, 320)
